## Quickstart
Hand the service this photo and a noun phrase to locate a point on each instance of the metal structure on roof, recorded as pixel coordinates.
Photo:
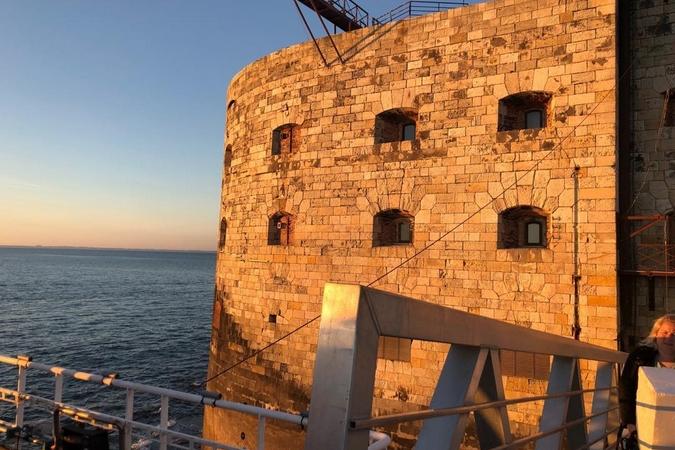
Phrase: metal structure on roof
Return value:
(414, 9)
(347, 15)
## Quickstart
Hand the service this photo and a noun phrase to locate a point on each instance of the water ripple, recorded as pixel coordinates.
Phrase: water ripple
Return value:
(145, 315)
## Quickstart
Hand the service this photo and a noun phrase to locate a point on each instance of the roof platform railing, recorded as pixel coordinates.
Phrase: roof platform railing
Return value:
(414, 9)
(354, 317)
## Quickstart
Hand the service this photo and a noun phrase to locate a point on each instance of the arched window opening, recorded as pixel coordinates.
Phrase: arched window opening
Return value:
(392, 227)
(230, 105)
(669, 99)
(396, 125)
(279, 229)
(227, 161)
(524, 110)
(285, 139)
(522, 226)
(223, 234)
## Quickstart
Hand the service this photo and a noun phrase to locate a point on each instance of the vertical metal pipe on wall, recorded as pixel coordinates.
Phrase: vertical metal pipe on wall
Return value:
(576, 327)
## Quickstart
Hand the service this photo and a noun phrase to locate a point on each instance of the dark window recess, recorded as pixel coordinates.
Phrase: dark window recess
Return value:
(395, 125)
(669, 99)
(285, 139)
(392, 227)
(228, 156)
(272, 318)
(524, 110)
(223, 234)
(525, 365)
(394, 349)
(522, 226)
(279, 230)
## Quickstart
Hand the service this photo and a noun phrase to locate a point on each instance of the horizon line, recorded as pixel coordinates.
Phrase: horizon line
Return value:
(79, 247)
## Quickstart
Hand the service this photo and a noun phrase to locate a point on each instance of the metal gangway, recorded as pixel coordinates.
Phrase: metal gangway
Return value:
(344, 14)
(353, 318)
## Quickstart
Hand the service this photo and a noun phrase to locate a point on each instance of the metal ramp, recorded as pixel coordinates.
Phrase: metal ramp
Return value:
(344, 14)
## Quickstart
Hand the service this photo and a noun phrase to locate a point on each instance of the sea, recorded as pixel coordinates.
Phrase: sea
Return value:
(144, 315)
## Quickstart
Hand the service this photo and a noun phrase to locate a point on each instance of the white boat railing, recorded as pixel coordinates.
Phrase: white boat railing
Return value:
(127, 425)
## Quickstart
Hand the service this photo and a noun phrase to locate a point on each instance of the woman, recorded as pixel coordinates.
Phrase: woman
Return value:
(657, 350)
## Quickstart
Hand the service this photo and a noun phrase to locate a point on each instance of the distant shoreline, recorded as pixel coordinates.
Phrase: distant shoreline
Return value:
(69, 247)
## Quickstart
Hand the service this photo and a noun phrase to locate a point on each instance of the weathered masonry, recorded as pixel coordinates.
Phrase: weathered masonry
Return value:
(496, 129)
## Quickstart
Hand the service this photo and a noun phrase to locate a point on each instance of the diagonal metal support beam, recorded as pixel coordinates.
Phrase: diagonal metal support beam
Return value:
(577, 435)
(309, 30)
(601, 402)
(492, 425)
(558, 411)
(456, 386)
(330, 37)
(470, 375)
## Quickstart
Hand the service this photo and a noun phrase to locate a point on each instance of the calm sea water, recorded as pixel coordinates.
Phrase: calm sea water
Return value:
(143, 314)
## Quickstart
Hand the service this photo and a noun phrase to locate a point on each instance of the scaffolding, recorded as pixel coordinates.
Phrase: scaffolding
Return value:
(653, 255)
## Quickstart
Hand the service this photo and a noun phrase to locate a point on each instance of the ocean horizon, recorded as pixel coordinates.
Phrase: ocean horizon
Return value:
(144, 314)
(79, 247)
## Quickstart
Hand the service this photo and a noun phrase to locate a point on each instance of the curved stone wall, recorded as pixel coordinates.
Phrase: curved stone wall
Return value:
(451, 69)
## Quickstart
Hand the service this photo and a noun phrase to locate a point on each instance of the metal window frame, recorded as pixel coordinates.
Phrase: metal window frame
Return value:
(408, 125)
(542, 118)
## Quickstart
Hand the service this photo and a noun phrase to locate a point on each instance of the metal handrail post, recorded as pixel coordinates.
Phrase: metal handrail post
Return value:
(58, 398)
(58, 387)
(129, 417)
(163, 422)
(21, 389)
(261, 432)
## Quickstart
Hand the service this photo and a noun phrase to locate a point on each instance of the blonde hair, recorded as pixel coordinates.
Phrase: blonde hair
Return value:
(651, 339)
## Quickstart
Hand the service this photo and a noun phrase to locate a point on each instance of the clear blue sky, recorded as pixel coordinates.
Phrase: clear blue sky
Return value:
(112, 115)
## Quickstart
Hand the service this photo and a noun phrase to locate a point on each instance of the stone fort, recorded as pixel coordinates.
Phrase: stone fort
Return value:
(511, 158)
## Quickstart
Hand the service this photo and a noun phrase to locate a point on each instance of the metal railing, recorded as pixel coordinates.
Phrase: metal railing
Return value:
(354, 317)
(352, 10)
(414, 9)
(127, 425)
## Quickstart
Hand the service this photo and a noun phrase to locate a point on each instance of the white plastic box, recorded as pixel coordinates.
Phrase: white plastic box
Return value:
(656, 408)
